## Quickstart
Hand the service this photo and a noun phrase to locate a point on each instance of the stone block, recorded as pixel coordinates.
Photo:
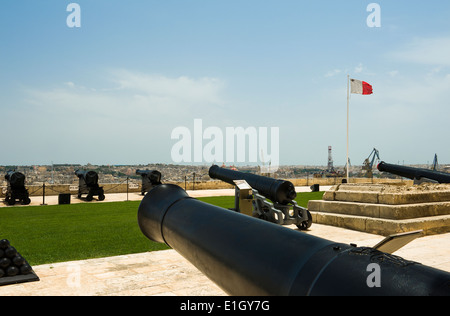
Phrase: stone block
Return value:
(385, 209)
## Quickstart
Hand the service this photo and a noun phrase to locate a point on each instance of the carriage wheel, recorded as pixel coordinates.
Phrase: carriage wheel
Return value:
(10, 201)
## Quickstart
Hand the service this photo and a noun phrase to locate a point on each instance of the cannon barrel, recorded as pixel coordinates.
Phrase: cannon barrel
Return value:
(88, 184)
(414, 173)
(89, 177)
(15, 179)
(153, 175)
(16, 188)
(247, 256)
(150, 178)
(143, 172)
(276, 190)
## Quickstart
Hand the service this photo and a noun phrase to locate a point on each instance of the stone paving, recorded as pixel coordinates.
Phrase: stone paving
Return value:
(167, 273)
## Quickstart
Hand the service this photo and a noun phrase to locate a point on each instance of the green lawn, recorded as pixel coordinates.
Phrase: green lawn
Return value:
(303, 197)
(57, 233)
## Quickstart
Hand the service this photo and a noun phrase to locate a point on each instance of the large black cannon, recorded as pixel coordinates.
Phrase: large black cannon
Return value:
(416, 174)
(150, 178)
(88, 184)
(246, 256)
(281, 209)
(279, 191)
(16, 190)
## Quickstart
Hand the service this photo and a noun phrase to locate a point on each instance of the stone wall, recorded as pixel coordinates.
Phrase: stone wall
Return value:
(55, 189)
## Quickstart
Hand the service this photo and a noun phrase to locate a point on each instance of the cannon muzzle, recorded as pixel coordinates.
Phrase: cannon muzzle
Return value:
(279, 191)
(89, 177)
(154, 176)
(414, 173)
(246, 256)
(150, 178)
(15, 179)
(88, 184)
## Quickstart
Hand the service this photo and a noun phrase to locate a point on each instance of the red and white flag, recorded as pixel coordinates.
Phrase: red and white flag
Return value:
(360, 87)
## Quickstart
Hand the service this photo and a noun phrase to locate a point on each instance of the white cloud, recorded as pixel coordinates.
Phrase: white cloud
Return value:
(333, 73)
(359, 68)
(431, 91)
(131, 95)
(428, 51)
(184, 88)
(132, 116)
(393, 73)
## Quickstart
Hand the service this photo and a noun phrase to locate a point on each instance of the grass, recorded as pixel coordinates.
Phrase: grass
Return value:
(58, 233)
(303, 198)
(44, 234)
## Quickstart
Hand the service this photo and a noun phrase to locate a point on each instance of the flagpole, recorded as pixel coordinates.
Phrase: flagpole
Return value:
(348, 101)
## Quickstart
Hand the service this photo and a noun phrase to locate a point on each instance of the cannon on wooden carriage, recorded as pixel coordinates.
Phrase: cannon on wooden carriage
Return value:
(16, 190)
(150, 178)
(88, 184)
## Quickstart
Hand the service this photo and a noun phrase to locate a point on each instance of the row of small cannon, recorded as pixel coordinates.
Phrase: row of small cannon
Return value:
(88, 184)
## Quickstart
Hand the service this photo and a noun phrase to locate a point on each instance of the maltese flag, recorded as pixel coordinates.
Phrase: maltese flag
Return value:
(360, 87)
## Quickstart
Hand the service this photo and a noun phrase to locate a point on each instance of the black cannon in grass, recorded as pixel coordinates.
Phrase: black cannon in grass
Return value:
(246, 256)
(416, 174)
(16, 190)
(88, 184)
(264, 197)
(150, 178)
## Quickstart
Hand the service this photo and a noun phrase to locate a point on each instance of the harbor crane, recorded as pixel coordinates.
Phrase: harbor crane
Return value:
(369, 162)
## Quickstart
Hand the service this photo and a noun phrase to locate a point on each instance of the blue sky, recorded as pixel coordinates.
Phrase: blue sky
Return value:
(113, 90)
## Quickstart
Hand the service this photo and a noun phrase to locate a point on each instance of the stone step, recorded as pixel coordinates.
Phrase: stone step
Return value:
(389, 194)
(385, 227)
(386, 211)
